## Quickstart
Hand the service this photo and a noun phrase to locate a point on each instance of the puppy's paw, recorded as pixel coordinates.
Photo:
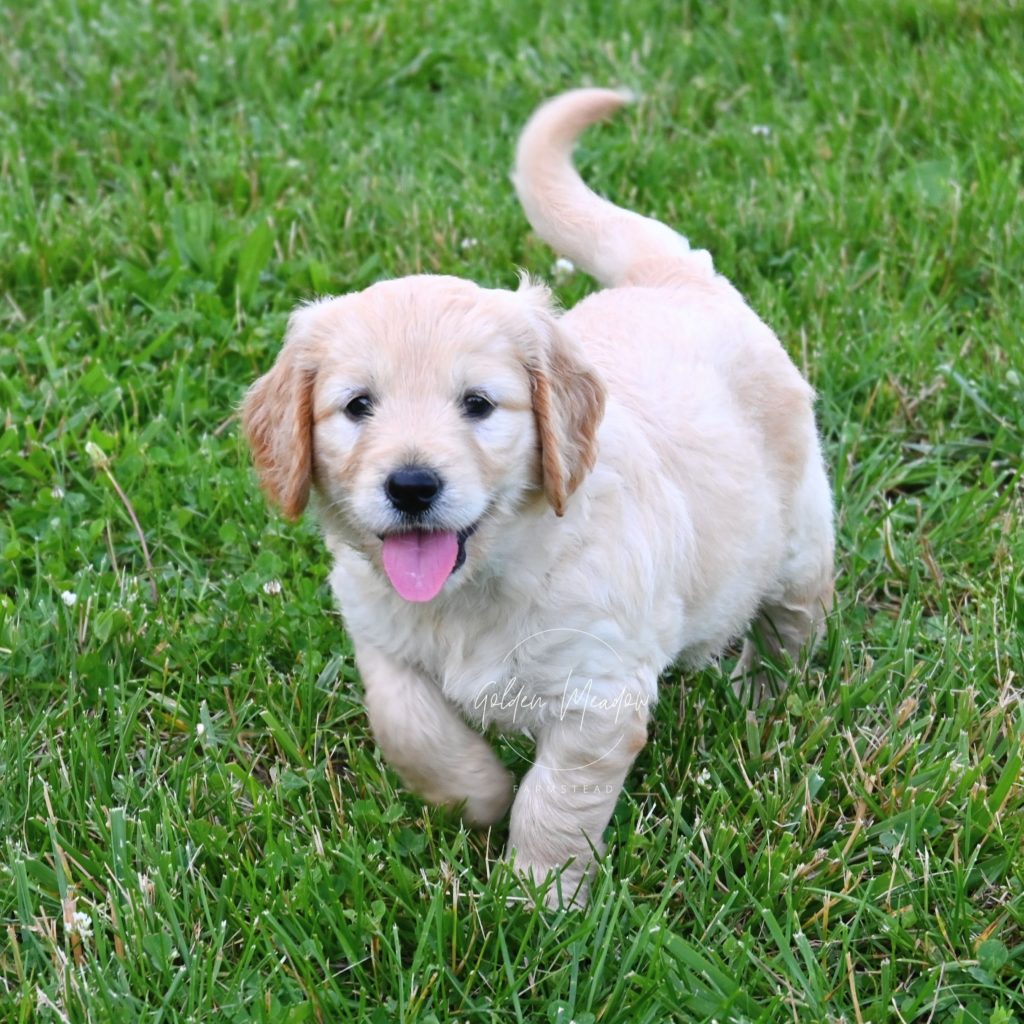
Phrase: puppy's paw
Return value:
(556, 888)
(491, 801)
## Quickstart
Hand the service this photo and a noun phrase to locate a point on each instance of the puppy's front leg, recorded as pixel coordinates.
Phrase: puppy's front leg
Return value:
(566, 799)
(423, 737)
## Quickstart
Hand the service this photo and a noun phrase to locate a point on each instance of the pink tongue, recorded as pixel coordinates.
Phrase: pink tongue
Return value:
(419, 562)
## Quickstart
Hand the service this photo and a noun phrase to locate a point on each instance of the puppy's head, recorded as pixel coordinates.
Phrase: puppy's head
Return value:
(425, 412)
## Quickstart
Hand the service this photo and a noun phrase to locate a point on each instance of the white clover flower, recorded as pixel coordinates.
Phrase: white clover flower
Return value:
(57, 491)
(69, 597)
(562, 269)
(97, 456)
(81, 925)
(272, 587)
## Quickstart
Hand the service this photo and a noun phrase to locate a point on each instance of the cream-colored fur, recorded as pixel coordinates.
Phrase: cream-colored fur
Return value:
(649, 486)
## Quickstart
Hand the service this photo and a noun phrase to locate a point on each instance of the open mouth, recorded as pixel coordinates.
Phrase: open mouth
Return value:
(419, 562)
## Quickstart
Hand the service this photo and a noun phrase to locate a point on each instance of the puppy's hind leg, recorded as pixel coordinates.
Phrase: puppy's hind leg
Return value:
(791, 620)
(425, 740)
(784, 629)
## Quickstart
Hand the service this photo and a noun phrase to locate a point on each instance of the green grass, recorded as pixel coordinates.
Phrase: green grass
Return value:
(194, 773)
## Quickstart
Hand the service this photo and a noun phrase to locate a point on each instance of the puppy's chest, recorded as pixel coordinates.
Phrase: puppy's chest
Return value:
(503, 672)
(519, 678)
(513, 693)
(512, 665)
(492, 675)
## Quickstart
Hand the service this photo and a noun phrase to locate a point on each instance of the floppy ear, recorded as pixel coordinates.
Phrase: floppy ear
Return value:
(277, 417)
(568, 403)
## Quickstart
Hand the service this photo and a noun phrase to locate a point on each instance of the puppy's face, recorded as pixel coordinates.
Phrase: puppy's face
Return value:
(426, 412)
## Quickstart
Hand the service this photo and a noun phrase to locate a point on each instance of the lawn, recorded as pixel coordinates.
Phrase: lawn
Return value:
(194, 822)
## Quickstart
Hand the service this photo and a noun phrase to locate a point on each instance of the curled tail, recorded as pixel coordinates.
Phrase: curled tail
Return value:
(616, 246)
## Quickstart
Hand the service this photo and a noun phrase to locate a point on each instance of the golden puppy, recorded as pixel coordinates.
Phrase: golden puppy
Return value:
(533, 513)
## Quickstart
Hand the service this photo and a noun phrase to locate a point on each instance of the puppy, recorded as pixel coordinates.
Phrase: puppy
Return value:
(533, 513)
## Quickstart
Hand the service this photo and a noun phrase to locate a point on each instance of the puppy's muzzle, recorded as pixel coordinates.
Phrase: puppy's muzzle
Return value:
(412, 490)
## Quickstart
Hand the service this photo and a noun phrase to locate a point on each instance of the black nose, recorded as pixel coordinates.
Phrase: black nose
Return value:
(412, 490)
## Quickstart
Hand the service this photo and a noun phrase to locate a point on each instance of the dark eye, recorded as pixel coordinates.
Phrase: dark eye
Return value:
(477, 406)
(359, 407)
